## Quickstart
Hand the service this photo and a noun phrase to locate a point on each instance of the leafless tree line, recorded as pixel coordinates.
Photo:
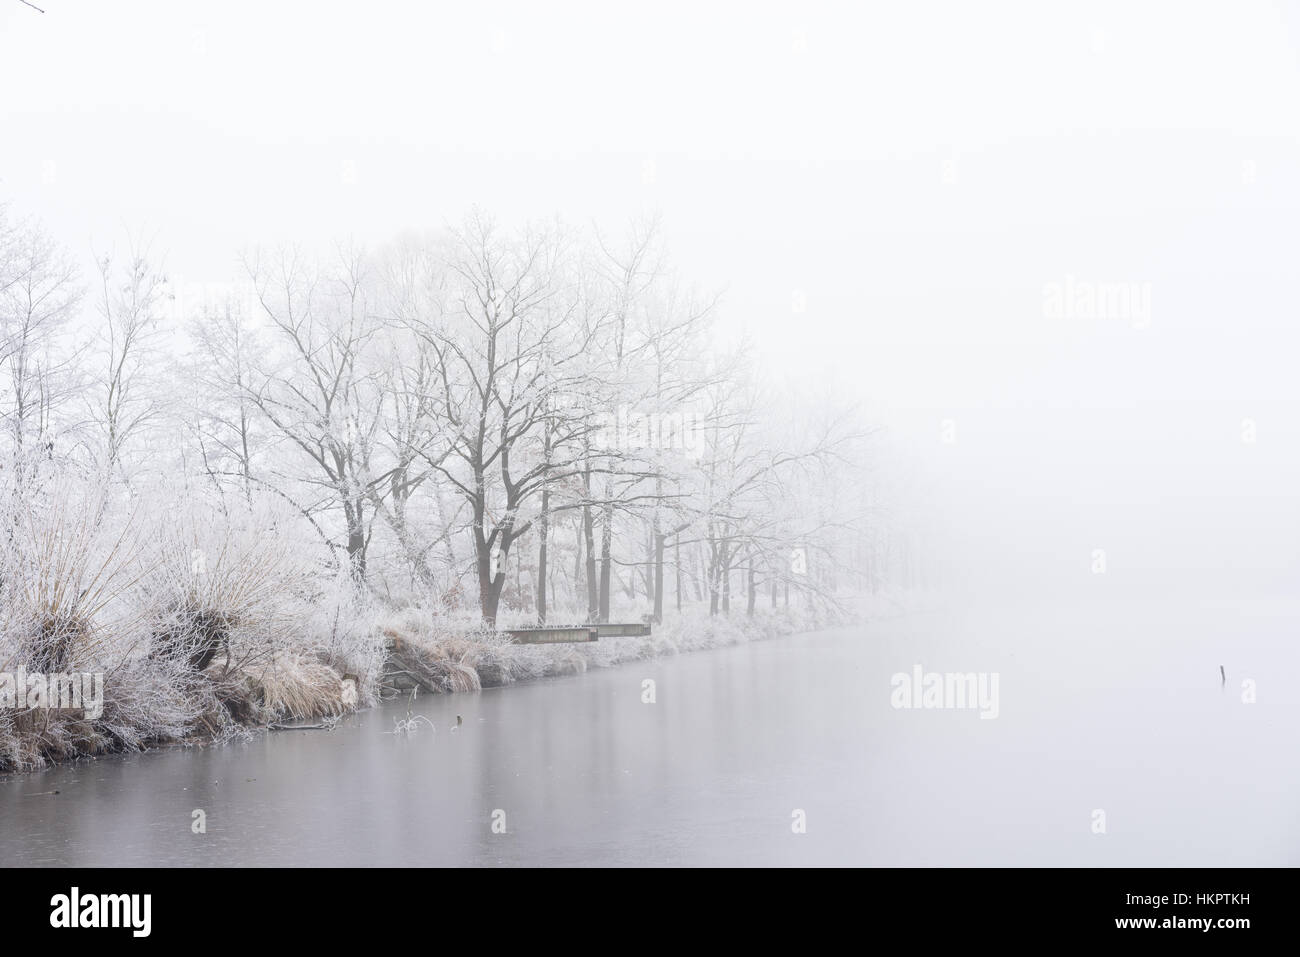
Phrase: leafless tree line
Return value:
(534, 420)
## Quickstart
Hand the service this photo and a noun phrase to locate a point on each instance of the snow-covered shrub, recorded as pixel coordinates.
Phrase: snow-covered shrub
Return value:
(69, 570)
(229, 580)
(66, 571)
(342, 630)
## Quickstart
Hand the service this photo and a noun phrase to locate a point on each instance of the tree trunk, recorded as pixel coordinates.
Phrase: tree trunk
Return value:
(715, 567)
(489, 585)
(606, 562)
(651, 588)
(695, 575)
(352, 513)
(543, 529)
(659, 579)
(726, 578)
(589, 541)
(677, 561)
(577, 553)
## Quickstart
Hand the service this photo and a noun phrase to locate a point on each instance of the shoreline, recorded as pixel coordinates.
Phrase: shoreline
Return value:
(439, 658)
(436, 663)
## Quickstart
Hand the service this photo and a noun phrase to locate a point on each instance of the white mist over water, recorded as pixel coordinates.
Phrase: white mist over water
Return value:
(908, 205)
(1115, 708)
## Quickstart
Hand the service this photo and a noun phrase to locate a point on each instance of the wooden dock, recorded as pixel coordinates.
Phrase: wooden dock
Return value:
(548, 636)
(563, 634)
(635, 629)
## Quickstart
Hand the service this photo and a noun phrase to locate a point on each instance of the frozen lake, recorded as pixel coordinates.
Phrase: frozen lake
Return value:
(1115, 707)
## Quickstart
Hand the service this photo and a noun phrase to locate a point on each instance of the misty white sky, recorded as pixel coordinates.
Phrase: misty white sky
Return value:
(914, 175)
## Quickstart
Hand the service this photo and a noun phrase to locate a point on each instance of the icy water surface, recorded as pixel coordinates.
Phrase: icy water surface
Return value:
(1118, 708)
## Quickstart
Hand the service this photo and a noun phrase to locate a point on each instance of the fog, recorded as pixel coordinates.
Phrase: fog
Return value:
(1046, 252)
(882, 196)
